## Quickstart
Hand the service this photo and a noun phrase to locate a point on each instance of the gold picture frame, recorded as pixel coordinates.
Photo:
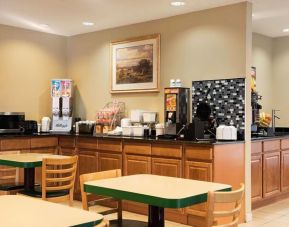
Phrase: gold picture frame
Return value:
(135, 64)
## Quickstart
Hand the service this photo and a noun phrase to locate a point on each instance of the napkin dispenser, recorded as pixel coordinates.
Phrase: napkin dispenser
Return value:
(226, 133)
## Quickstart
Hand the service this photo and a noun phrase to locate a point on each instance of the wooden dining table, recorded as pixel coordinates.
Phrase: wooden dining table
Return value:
(17, 210)
(28, 161)
(159, 192)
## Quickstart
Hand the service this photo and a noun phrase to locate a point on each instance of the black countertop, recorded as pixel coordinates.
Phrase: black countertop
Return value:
(125, 138)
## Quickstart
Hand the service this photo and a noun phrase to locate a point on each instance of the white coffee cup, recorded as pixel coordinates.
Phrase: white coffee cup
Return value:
(172, 83)
(45, 124)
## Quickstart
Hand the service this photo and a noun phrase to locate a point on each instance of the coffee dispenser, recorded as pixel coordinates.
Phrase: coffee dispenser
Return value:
(61, 93)
(177, 111)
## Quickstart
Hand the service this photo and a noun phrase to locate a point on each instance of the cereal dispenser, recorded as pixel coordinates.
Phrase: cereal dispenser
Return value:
(61, 92)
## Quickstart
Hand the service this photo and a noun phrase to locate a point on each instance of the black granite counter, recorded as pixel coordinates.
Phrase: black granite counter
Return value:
(125, 138)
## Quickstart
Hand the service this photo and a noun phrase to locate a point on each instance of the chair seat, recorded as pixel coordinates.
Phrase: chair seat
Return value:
(38, 194)
(11, 186)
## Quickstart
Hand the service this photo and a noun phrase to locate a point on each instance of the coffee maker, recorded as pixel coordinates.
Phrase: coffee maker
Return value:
(255, 111)
(177, 111)
(61, 94)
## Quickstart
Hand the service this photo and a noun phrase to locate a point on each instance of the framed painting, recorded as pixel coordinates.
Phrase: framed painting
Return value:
(135, 65)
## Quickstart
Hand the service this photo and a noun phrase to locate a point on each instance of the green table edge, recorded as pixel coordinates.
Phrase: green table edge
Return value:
(89, 224)
(20, 164)
(151, 200)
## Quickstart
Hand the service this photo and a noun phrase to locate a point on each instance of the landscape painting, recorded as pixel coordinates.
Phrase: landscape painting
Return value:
(135, 65)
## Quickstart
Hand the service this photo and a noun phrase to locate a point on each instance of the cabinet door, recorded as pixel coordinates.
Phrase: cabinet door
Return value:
(171, 168)
(167, 167)
(271, 171)
(87, 163)
(285, 170)
(256, 177)
(134, 164)
(67, 151)
(198, 171)
(108, 161)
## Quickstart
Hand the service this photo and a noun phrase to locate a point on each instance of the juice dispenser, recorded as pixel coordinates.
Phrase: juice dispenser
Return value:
(177, 111)
(61, 92)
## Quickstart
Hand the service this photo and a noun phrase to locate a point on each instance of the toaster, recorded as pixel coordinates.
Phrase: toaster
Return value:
(226, 133)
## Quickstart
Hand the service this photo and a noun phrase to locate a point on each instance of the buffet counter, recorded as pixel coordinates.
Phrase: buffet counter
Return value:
(221, 162)
(269, 169)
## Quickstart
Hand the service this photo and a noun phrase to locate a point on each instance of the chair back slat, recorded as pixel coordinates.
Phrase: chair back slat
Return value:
(233, 197)
(55, 171)
(59, 188)
(60, 179)
(58, 174)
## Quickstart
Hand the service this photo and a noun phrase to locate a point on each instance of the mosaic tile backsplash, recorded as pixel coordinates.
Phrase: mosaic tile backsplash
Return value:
(226, 98)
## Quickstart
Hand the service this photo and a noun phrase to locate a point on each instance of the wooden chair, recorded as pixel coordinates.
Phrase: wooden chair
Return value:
(98, 176)
(232, 197)
(9, 178)
(58, 177)
(104, 223)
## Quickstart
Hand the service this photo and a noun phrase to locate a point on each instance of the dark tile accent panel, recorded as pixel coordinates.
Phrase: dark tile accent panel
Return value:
(226, 98)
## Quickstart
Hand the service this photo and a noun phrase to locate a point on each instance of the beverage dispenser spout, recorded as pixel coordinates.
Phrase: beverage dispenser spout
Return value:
(56, 107)
(66, 107)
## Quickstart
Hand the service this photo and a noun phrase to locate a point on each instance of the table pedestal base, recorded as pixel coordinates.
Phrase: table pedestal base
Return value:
(127, 223)
(156, 216)
(29, 179)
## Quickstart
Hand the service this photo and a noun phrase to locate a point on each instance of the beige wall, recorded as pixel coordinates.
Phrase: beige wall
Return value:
(271, 57)
(281, 79)
(202, 45)
(28, 60)
(262, 58)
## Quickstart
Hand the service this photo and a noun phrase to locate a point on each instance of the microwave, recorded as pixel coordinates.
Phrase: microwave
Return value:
(12, 122)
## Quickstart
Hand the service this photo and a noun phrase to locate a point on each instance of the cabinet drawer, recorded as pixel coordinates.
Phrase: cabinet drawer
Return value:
(284, 144)
(110, 145)
(67, 141)
(88, 143)
(167, 150)
(272, 145)
(137, 148)
(256, 147)
(44, 142)
(15, 144)
(199, 153)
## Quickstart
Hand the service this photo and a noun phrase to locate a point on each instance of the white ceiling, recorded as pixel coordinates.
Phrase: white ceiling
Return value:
(271, 17)
(65, 17)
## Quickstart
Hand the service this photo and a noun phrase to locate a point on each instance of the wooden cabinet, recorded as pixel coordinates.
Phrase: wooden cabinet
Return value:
(256, 171)
(134, 164)
(198, 171)
(87, 163)
(137, 160)
(198, 166)
(167, 167)
(285, 170)
(256, 177)
(172, 168)
(108, 161)
(271, 173)
(15, 144)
